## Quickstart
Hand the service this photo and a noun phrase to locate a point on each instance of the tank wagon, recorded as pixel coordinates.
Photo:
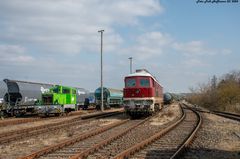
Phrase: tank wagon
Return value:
(22, 96)
(111, 97)
(142, 93)
(167, 98)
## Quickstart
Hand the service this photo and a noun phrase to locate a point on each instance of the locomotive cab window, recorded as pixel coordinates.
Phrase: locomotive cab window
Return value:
(73, 91)
(55, 90)
(131, 82)
(66, 91)
(144, 82)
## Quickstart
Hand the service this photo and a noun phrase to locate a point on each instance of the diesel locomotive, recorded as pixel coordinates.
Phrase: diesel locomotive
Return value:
(142, 93)
(59, 99)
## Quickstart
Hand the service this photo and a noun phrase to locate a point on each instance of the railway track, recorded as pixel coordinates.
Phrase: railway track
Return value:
(169, 142)
(33, 131)
(15, 121)
(82, 146)
(87, 142)
(219, 113)
(227, 115)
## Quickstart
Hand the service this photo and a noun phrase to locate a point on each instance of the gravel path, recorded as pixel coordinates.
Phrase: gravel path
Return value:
(218, 138)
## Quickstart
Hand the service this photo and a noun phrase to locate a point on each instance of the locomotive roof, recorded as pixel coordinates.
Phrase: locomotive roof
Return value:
(142, 72)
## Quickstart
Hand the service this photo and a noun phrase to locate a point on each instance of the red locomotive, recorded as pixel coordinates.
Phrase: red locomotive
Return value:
(142, 93)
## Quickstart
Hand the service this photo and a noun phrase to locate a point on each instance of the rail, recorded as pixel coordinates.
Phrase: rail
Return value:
(132, 150)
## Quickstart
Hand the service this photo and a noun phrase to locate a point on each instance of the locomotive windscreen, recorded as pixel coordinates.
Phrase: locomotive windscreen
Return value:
(144, 82)
(137, 82)
(131, 82)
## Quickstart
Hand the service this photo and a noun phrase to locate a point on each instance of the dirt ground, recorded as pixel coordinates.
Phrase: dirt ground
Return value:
(166, 115)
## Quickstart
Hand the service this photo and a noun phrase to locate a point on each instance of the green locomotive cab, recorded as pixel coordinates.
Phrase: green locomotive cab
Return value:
(60, 95)
(58, 100)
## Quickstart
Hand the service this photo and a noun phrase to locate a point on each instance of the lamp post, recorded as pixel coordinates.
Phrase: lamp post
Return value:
(130, 58)
(101, 31)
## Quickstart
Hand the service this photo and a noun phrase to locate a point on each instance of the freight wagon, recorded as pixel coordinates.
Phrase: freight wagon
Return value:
(3, 91)
(167, 98)
(111, 97)
(22, 96)
(82, 95)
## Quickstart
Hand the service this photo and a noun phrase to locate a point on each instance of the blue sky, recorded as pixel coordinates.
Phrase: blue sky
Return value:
(181, 42)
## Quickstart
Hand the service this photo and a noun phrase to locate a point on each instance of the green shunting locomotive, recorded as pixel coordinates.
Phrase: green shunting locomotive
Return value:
(59, 99)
